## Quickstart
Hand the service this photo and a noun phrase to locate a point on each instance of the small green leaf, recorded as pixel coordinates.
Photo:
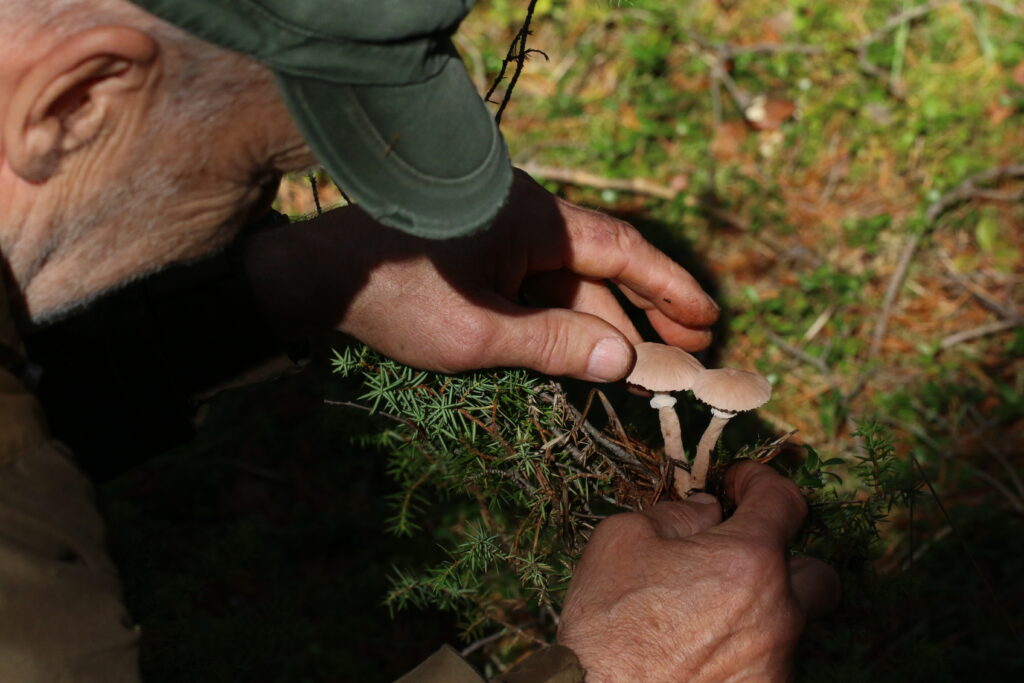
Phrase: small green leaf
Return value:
(987, 232)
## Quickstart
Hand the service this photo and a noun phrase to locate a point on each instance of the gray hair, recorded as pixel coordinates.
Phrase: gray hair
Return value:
(204, 84)
(201, 84)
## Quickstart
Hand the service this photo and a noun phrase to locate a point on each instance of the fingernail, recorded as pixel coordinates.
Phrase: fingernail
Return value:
(713, 302)
(702, 498)
(609, 361)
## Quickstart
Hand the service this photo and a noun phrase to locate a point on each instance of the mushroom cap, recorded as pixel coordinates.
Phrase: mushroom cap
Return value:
(732, 390)
(660, 367)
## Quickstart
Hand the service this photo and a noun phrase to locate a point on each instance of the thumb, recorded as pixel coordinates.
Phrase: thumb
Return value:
(560, 342)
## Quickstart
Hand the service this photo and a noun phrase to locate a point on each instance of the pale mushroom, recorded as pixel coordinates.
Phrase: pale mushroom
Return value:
(663, 369)
(728, 392)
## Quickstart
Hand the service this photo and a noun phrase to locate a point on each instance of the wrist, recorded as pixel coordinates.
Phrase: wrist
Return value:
(303, 275)
(632, 652)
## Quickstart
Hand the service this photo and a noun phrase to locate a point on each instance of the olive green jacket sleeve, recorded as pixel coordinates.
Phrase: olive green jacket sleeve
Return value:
(556, 664)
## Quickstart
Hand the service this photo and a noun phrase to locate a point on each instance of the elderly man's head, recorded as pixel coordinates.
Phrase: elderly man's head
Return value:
(125, 144)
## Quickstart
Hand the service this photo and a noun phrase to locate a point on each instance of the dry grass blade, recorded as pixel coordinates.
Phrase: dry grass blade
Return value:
(583, 178)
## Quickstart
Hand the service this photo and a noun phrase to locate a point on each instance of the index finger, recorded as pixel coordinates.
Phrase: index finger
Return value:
(769, 506)
(600, 246)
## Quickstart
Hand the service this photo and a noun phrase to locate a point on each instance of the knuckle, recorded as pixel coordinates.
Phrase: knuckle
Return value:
(549, 348)
(624, 525)
(542, 344)
(601, 228)
(675, 519)
(624, 237)
(753, 561)
(682, 515)
(794, 499)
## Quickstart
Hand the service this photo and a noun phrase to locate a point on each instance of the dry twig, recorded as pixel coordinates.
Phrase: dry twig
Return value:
(618, 452)
(581, 178)
(804, 357)
(969, 189)
(980, 331)
(911, 14)
(517, 54)
(1003, 310)
(965, 191)
(358, 406)
(730, 51)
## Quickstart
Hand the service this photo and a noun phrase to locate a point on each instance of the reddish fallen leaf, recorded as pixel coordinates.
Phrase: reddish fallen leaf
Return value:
(1018, 74)
(769, 113)
(726, 145)
(628, 118)
(683, 83)
(998, 112)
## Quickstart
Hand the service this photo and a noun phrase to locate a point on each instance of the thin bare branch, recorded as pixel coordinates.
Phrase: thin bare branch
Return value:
(861, 47)
(1008, 467)
(1003, 310)
(739, 96)
(899, 276)
(613, 417)
(968, 189)
(803, 356)
(480, 642)
(517, 54)
(316, 192)
(1014, 500)
(919, 11)
(727, 51)
(368, 409)
(621, 454)
(730, 51)
(980, 331)
(573, 176)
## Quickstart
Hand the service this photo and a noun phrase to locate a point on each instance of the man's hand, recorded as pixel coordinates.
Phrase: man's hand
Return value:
(530, 292)
(674, 594)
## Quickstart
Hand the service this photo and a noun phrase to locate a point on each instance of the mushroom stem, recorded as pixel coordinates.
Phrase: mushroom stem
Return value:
(681, 482)
(702, 461)
(672, 434)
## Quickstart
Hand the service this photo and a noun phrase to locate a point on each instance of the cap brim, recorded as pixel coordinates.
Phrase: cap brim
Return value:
(425, 158)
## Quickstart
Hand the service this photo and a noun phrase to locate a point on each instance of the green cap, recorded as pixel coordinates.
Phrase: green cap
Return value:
(381, 96)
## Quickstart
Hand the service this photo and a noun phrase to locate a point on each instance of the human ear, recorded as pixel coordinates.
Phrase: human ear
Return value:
(76, 93)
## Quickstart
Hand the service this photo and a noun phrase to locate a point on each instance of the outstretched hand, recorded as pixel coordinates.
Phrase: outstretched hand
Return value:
(675, 594)
(530, 291)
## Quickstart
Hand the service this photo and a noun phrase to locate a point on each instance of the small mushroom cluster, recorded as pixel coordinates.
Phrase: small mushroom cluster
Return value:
(664, 369)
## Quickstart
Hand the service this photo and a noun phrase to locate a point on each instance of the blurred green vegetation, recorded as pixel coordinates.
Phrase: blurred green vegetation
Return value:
(794, 149)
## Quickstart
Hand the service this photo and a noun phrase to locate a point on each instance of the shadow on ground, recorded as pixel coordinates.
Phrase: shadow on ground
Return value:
(258, 552)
